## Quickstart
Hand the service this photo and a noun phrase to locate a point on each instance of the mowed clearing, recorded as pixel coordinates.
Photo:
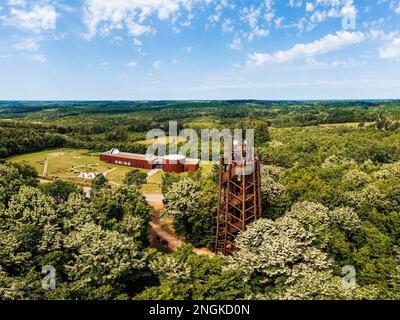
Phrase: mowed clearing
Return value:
(67, 164)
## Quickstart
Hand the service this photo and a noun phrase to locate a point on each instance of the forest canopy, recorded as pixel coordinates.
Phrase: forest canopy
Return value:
(330, 187)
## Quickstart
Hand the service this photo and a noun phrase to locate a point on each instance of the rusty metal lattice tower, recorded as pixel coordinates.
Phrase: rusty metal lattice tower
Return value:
(239, 199)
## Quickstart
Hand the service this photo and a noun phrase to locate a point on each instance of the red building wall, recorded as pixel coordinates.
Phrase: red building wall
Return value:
(167, 164)
(135, 163)
(173, 166)
(191, 167)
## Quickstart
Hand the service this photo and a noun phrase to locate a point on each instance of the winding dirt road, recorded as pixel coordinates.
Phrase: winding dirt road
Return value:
(156, 201)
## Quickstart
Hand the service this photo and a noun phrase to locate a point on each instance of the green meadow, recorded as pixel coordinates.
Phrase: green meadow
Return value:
(67, 163)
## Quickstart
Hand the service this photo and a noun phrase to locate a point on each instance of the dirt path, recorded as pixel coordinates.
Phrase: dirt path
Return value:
(152, 172)
(109, 171)
(156, 201)
(171, 241)
(174, 243)
(154, 197)
(45, 168)
(51, 156)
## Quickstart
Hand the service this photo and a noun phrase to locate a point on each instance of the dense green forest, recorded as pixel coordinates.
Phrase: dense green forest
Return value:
(331, 199)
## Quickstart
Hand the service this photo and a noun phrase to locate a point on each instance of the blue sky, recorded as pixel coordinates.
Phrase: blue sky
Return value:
(199, 49)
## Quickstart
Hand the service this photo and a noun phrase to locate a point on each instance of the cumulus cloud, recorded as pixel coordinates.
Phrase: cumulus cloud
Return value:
(105, 15)
(327, 44)
(392, 51)
(36, 19)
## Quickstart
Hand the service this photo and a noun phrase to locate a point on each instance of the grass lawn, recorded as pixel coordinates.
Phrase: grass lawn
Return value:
(207, 166)
(61, 163)
(162, 140)
(153, 183)
(347, 124)
(202, 123)
(37, 159)
(156, 178)
(119, 174)
(151, 188)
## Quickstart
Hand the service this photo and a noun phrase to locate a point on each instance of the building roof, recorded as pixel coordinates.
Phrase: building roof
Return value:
(174, 157)
(132, 156)
(151, 158)
(192, 161)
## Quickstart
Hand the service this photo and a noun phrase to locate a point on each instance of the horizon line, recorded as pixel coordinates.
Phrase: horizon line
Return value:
(198, 100)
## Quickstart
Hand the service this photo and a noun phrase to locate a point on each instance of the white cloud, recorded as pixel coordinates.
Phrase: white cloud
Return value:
(312, 63)
(377, 34)
(392, 51)
(395, 6)
(131, 64)
(268, 4)
(157, 65)
(118, 39)
(349, 10)
(217, 16)
(104, 64)
(310, 7)
(236, 44)
(227, 26)
(39, 58)
(137, 42)
(137, 29)
(28, 45)
(105, 15)
(295, 3)
(251, 15)
(278, 22)
(320, 11)
(21, 3)
(38, 18)
(325, 45)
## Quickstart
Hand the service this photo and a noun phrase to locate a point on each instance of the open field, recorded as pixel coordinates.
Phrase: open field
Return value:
(162, 140)
(346, 125)
(66, 164)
